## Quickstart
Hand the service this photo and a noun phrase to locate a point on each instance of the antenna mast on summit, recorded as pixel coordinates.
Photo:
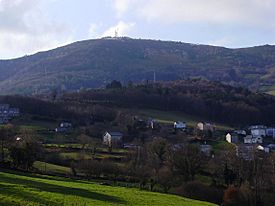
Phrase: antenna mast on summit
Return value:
(116, 33)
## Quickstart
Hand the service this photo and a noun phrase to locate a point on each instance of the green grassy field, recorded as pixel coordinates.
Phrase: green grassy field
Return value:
(51, 168)
(44, 190)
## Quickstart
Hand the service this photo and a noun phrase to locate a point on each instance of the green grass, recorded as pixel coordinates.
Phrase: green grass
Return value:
(33, 128)
(271, 92)
(51, 168)
(18, 189)
(169, 117)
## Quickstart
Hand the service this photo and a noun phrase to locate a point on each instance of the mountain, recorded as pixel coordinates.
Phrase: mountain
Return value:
(94, 63)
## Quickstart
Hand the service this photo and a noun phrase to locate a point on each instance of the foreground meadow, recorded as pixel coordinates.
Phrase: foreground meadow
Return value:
(25, 190)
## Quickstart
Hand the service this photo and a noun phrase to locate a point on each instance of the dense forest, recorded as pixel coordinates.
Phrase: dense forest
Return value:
(212, 101)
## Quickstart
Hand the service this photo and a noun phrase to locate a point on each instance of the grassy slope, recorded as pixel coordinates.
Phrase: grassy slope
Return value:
(52, 168)
(27, 190)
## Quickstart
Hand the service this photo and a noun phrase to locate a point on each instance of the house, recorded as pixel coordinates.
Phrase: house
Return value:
(153, 124)
(61, 130)
(249, 139)
(258, 130)
(205, 126)
(112, 139)
(263, 149)
(235, 136)
(178, 125)
(270, 132)
(232, 137)
(64, 127)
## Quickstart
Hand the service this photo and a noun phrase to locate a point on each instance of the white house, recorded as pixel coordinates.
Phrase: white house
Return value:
(263, 149)
(232, 138)
(112, 138)
(205, 126)
(180, 125)
(258, 130)
(249, 139)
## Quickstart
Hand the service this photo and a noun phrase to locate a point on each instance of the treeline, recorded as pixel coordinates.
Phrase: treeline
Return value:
(210, 100)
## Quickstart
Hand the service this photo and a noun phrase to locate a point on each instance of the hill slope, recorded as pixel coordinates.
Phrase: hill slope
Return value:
(25, 190)
(93, 63)
(208, 100)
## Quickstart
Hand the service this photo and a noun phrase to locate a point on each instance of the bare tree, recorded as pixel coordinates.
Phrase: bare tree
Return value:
(187, 161)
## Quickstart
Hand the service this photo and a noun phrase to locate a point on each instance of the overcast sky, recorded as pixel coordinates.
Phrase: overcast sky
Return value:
(29, 26)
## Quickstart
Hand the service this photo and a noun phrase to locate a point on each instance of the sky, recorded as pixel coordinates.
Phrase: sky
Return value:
(29, 26)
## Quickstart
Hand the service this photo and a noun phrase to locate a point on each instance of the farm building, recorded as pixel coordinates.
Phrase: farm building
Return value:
(205, 126)
(232, 138)
(112, 138)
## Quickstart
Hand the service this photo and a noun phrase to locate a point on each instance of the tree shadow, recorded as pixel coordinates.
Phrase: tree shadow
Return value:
(47, 187)
(14, 192)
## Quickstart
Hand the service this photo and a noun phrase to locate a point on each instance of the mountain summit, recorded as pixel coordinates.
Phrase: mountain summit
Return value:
(94, 63)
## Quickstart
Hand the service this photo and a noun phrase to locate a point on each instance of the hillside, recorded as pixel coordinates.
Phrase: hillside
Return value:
(28, 190)
(94, 63)
(210, 101)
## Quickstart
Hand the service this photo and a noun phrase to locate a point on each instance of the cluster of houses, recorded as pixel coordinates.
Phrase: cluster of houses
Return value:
(115, 138)
(64, 127)
(7, 113)
(256, 137)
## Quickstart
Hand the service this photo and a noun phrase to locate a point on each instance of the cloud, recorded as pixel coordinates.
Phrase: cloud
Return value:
(122, 28)
(26, 29)
(248, 12)
(122, 6)
(93, 30)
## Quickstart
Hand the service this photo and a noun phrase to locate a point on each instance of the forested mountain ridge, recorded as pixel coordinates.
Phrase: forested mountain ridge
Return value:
(94, 63)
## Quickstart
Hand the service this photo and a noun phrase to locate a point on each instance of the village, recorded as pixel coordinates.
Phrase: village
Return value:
(149, 149)
(245, 141)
